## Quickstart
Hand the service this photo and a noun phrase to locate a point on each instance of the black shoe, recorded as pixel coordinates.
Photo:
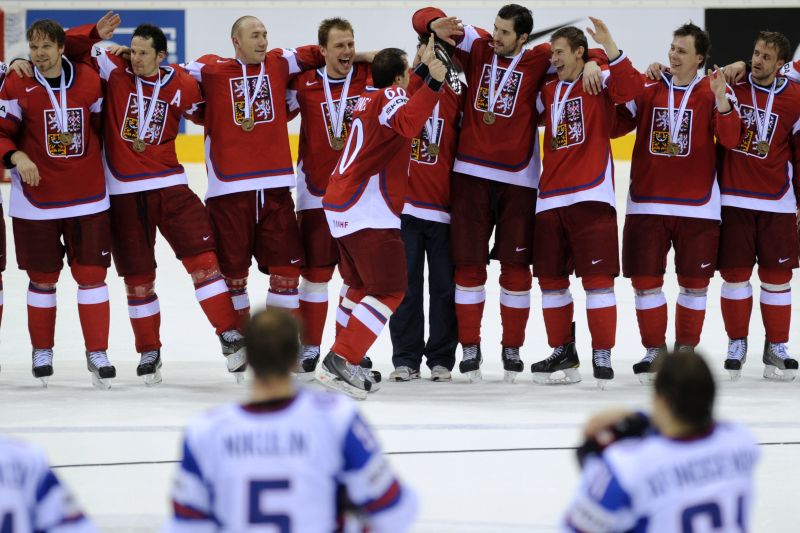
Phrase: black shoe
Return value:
(564, 359)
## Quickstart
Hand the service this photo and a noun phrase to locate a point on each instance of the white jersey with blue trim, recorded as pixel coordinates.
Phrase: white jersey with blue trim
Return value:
(660, 485)
(31, 497)
(279, 464)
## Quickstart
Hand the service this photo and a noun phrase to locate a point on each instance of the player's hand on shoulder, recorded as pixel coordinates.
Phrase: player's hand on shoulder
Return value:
(107, 24)
(27, 169)
(735, 72)
(654, 71)
(120, 51)
(446, 27)
(592, 78)
(22, 68)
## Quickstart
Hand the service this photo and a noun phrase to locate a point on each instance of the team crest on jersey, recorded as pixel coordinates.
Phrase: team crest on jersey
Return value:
(419, 145)
(508, 96)
(570, 130)
(52, 134)
(130, 124)
(350, 107)
(263, 109)
(747, 144)
(659, 134)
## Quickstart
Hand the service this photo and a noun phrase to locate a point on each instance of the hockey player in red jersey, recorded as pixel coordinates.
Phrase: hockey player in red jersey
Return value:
(674, 199)
(363, 202)
(3, 71)
(759, 203)
(325, 99)
(48, 138)
(249, 163)
(425, 229)
(576, 219)
(496, 171)
(149, 189)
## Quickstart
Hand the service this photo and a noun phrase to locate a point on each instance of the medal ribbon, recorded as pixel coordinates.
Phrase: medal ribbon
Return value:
(336, 114)
(248, 102)
(432, 126)
(762, 127)
(494, 93)
(676, 120)
(560, 105)
(146, 118)
(61, 110)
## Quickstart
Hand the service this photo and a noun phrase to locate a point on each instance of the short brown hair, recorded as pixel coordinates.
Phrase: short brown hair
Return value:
(779, 41)
(575, 37)
(272, 339)
(702, 41)
(327, 25)
(685, 383)
(46, 28)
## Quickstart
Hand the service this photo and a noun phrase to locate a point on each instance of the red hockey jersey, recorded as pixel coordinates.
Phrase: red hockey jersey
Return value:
(317, 157)
(684, 184)
(368, 186)
(428, 192)
(72, 173)
(752, 179)
(238, 160)
(792, 70)
(507, 150)
(579, 167)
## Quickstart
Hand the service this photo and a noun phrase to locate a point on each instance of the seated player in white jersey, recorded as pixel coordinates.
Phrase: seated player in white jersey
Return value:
(31, 496)
(677, 470)
(279, 459)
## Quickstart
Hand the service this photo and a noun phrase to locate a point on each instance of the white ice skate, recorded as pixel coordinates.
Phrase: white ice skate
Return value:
(778, 364)
(235, 353)
(737, 355)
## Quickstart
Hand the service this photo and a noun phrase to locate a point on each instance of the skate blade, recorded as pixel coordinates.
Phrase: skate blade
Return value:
(330, 381)
(305, 377)
(238, 377)
(735, 374)
(44, 381)
(236, 361)
(510, 376)
(601, 383)
(776, 374)
(101, 383)
(152, 379)
(560, 377)
(474, 376)
(646, 378)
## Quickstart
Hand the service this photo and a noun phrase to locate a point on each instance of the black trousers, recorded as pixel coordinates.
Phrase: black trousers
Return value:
(407, 325)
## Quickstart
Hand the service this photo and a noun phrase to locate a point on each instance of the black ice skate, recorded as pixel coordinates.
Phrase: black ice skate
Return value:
(42, 366)
(471, 361)
(337, 373)
(512, 364)
(737, 355)
(645, 369)
(561, 367)
(601, 365)
(101, 369)
(778, 364)
(307, 363)
(235, 353)
(149, 368)
(366, 362)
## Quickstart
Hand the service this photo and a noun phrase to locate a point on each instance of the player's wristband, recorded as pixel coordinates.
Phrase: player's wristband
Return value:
(422, 71)
(435, 85)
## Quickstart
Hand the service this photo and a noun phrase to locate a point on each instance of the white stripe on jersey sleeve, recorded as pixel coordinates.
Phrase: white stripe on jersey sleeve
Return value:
(104, 64)
(290, 55)
(195, 69)
(470, 36)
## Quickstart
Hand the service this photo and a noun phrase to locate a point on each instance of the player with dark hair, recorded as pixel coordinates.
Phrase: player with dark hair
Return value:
(670, 471)
(363, 202)
(759, 206)
(576, 218)
(496, 171)
(48, 139)
(277, 460)
(674, 199)
(325, 99)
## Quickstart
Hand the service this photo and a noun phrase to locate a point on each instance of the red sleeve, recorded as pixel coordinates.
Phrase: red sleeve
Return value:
(409, 119)
(415, 81)
(626, 83)
(193, 103)
(80, 40)
(309, 57)
(795, 146)
(624, 122)
(728, 126)
(9, 121)
(598, 55)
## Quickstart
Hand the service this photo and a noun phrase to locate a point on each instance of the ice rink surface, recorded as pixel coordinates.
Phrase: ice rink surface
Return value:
(486, 457)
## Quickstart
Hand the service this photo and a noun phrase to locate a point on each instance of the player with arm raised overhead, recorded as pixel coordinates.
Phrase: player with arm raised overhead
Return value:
(496, 171)
(249, 163)
(325, 99)
(759, 206)
(674, 199)
(363, 202)
(576, 219)
(48, 137)
(148, 186)
(676, 470)
(274, 463)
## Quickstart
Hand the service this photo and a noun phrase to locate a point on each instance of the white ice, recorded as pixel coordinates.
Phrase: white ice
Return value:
(492, 491)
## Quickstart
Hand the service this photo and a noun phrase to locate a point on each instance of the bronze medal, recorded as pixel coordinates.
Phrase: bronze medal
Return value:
(337, 143)
(762, 147)
(673, 149)
(248, 124)
(138, 145)
(66, 137)
(554, 143)
(489, 118)
(433, 149)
